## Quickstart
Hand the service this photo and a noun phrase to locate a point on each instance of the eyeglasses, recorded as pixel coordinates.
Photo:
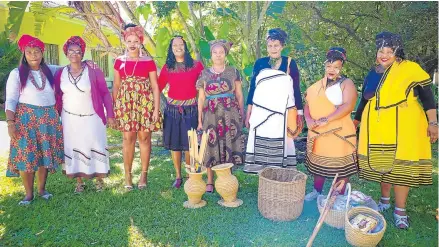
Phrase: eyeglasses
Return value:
(72, 52)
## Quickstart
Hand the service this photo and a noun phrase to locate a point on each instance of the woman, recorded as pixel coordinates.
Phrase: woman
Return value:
(276, 38)
(81, 95)
(33, 122)
(394, 144)
(137, 102)
(181, 73)
(220, 109)
(331, 144)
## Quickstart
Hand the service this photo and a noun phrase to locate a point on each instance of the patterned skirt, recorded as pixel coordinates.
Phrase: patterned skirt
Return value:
(40, 140)
(177, 121)
(223, 123)
(134, 106)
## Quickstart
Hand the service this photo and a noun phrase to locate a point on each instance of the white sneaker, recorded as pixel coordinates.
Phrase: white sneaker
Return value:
(312, 195)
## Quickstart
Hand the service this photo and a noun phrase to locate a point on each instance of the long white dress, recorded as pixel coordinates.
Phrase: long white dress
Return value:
(268, 143)
(85, 137)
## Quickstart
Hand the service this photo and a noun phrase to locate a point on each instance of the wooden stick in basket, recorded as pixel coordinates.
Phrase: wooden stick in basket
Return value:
(202, 148)
(191, 149)
(330, 199)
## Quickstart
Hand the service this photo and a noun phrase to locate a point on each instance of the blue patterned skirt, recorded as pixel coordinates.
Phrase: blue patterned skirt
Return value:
(177, 121)
(39, 142)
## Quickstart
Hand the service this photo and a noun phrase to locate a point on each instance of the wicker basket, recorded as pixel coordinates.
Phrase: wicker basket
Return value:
(358, 238)
(334, 218)
(281, 193)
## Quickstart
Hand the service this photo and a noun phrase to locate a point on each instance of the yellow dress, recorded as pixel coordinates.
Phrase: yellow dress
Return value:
(331, 148)
(393, 146)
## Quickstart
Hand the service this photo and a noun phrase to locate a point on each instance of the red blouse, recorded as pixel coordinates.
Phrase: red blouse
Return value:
(181, 83)
(142, 68)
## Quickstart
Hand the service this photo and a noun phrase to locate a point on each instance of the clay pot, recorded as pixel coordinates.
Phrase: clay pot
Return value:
(226, 185)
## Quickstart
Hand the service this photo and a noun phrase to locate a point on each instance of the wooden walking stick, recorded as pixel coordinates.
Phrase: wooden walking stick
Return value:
(330, 199)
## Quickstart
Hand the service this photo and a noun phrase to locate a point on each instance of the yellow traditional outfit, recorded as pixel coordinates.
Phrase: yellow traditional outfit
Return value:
(393, 146)
(331, 148)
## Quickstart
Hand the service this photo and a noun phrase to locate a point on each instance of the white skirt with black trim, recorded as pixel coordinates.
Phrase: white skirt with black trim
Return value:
(85, 146)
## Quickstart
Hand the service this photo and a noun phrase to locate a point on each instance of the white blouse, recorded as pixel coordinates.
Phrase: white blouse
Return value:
(30, 94)
(335, 94)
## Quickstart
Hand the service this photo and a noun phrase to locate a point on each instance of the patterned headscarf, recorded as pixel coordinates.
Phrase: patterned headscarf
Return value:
(391, 40)
(225, 44)
(30, 41)
(74, 40)
(137, 30)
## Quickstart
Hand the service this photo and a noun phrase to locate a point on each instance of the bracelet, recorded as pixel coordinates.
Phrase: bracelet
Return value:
(434, 123)
(10, 120)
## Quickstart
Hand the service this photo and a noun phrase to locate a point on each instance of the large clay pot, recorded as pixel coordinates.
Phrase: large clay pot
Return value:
(195, 187)
(226, 185)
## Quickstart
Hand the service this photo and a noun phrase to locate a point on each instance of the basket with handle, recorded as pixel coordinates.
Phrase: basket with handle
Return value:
(281, 193)
(354, 236)
(334, 218)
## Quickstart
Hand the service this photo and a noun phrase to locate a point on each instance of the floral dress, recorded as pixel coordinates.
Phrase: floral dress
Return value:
(134, 103)
(222, 117)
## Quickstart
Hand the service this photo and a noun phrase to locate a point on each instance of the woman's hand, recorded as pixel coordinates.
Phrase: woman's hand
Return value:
(155, 116)
(111, 122)
(322, 122)
(356, 123)
(12, 131)
(311, 123)
(432, 133)
(200, 126)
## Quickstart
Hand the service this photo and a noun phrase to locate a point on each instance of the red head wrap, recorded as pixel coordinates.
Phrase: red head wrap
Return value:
(137, 30)
(74, 40)
(29, 41)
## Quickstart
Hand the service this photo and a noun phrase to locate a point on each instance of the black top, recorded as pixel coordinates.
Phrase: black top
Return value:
(371, 82)
(263, 63)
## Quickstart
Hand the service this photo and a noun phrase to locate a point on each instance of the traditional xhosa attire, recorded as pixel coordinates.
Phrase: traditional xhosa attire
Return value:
(181, 112)
(272, 114)
(222, 117)
(134, 103)
(393, 146)
(331, 149)
(81, 103)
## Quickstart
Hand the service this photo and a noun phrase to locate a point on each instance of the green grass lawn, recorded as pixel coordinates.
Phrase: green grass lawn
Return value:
(156, 216)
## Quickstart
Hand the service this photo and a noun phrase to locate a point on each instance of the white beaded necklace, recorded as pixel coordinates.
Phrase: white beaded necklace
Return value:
(134, 69)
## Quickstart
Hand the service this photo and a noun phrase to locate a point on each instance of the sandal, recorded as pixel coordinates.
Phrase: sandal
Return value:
(128, 188)
(177, 183)
(25, 202)
(143, 186)
(79, 188)
(401, 221)
(99, 185)
(383, 206)
(46, 195)
(210, 188)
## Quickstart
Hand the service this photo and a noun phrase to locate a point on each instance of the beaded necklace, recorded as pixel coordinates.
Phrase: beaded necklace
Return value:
(75, 79)
(134, 69)
(33, 81)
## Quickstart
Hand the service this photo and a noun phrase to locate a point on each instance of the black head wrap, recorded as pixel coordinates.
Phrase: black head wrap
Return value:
(391, 40)
(277, 34)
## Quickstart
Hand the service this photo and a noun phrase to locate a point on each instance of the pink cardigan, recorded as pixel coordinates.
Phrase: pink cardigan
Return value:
(99, 93)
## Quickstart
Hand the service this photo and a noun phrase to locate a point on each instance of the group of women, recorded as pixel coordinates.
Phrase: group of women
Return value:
(57, 116)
